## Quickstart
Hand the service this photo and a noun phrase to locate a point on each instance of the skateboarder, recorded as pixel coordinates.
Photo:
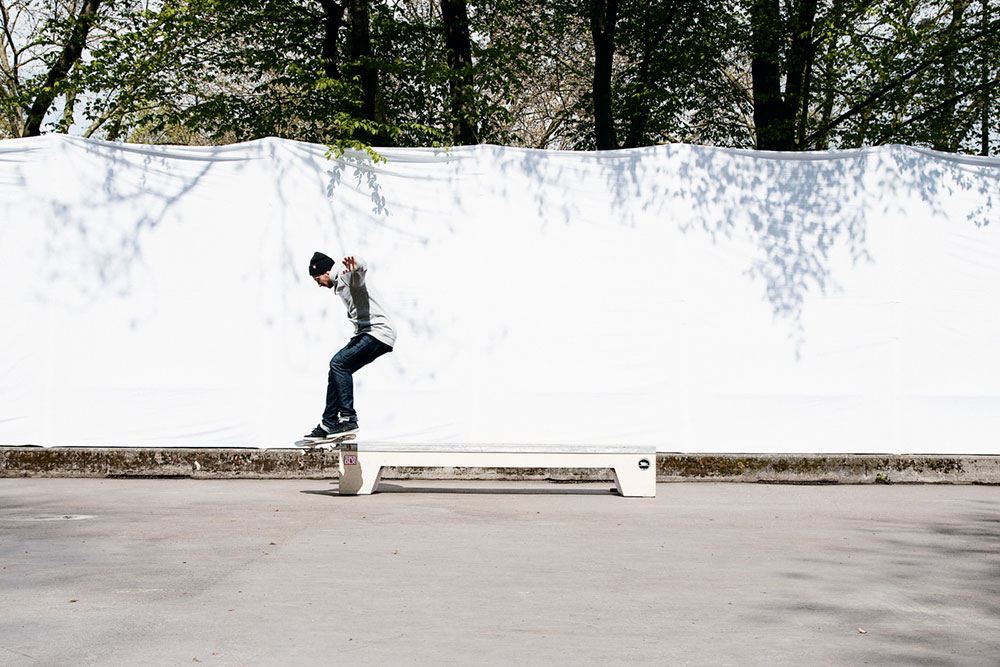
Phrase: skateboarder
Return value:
(374, 335)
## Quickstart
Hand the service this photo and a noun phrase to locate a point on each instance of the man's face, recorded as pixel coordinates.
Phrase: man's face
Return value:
(324, 280)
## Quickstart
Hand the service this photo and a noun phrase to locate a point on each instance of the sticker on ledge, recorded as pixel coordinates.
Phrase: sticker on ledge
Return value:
(350, 459)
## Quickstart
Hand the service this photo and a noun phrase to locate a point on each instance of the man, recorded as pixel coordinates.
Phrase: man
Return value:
(374, 335)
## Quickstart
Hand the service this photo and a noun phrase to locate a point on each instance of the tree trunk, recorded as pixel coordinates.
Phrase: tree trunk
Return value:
(458, 45)
(67, 119)
(984, 138)
(800, 61)
(333, 20)
(71, 53)
(9, 81)
(770, 119)
(603, 17)
(361, 57)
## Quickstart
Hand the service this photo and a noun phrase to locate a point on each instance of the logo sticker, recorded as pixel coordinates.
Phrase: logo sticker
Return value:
(350, 459)
(643, 464)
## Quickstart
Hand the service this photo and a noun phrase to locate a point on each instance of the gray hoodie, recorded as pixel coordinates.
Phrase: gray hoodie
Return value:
(364, 306)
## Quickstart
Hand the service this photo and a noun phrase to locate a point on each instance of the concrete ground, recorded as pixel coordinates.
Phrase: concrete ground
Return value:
(286, 572)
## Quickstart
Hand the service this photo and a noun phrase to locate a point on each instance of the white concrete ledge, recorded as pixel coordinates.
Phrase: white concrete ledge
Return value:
(361, 464)
(375, 446)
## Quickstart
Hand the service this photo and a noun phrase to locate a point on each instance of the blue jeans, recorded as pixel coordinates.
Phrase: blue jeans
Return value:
(359, 351)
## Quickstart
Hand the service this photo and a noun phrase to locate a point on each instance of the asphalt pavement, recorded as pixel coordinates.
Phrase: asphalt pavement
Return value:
(287, 572)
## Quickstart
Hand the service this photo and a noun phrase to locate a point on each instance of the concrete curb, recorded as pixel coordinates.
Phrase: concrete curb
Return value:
(205, 463)
(829, 468)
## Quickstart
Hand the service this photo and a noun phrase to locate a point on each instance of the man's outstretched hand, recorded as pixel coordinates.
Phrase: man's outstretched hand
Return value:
(349, 265)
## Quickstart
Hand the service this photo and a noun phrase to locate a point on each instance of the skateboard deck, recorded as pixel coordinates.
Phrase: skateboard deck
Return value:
(326, 443)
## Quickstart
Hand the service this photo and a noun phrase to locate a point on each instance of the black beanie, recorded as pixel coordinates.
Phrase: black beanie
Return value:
(319, 264)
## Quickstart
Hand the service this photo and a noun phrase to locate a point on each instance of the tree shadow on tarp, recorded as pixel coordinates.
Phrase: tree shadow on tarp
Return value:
(104, 254)
(363, 169)
(109, 250)
(795, 208)
(12, 156)
(360, 167)
(934, 177)
(330, 170)
(794, 211)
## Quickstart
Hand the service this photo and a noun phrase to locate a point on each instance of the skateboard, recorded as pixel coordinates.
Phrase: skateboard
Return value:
(327, 443)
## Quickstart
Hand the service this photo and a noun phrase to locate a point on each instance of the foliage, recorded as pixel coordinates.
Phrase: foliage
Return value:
(789, 74)
(893, 71)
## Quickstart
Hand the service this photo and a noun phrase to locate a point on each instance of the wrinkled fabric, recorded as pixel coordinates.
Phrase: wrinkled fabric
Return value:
(692, 298)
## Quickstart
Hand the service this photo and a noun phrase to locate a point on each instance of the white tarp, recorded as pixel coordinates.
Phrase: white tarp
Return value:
(696, 299)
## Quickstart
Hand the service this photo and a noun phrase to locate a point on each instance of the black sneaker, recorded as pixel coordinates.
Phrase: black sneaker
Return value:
(318, 433)
(342, 428)
(322, 433)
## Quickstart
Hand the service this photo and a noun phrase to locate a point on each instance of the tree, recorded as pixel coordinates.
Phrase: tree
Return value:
(669, 52)
(333, 21)
(352, 73)
(774, 112)
(458, 48)
(73, 47)
(985, 76)
(580, 74)
(41, 46)
(603, 21)
(362, 63)
(221, 68)
(863, 72)
(651, 63)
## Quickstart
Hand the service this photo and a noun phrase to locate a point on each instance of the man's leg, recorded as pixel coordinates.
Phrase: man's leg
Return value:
(359, 352)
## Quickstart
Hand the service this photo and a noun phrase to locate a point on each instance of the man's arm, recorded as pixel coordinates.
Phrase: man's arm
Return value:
(355, 266)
